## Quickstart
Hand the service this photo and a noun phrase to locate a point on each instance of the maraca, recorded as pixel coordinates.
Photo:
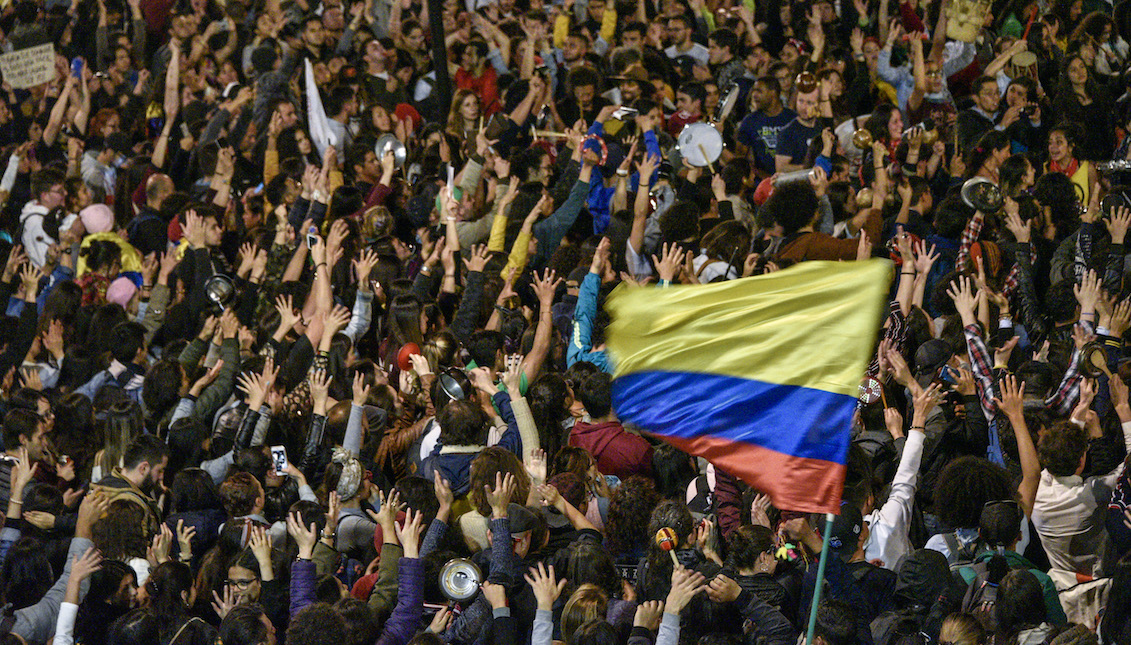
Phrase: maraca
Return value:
(666, 540)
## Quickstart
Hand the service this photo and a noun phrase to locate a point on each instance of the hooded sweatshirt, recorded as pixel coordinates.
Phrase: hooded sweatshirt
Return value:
(35, 239)
(617, 452)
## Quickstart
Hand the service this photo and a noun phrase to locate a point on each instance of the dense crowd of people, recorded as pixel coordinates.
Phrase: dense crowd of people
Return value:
(304, 341)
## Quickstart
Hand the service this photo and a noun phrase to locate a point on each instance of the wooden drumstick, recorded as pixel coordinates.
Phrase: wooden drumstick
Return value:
(710, 166)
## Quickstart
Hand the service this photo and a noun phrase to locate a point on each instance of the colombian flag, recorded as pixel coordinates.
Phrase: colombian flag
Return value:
(759, 376)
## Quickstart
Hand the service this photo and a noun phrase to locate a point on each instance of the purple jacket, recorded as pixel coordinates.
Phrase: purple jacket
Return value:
(405, 619)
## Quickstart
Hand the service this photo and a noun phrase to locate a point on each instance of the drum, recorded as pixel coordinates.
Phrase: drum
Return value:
(965, 19)
(700, 144)
(1023, 64)
(726, 103)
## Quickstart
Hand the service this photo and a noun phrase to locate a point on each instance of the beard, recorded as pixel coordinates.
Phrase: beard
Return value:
(148, 486)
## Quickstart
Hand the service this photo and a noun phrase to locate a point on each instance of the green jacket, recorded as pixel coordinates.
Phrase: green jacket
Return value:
(1015, 561)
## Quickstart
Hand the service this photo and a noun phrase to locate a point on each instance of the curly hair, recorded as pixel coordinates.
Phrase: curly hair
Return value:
(121, 533)
(1061, 448)
(317, 624)
(496, 460)
(630, 507)
(966, 484)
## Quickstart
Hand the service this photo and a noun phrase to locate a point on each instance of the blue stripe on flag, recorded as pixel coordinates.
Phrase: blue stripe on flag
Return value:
(792, 420)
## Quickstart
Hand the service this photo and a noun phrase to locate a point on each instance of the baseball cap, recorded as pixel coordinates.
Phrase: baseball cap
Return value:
(845, 534)
(930, 356)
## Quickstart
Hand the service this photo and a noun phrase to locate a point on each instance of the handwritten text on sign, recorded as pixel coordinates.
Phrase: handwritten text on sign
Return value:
(29, 67)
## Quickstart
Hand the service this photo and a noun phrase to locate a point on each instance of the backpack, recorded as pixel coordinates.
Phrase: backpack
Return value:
(964, 556)
(981, 595)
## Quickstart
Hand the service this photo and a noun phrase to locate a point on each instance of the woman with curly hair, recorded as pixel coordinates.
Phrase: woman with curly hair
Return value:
(630, 508)
(121, 535)
(653, 579)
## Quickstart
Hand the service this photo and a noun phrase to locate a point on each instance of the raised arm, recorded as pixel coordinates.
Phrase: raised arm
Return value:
(1011, 404)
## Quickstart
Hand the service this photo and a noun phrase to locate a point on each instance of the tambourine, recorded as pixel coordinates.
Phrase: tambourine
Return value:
(700, 144)
(726, 103)
(870, 391)
(1112, 201)
(390, 143)
(601, 147)
(1023, 63)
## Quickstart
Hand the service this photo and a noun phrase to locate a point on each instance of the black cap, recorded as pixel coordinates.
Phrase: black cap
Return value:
(845, 535)
(931, 356)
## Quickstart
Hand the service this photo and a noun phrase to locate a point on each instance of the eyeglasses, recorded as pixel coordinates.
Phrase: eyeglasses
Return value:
(241, 583)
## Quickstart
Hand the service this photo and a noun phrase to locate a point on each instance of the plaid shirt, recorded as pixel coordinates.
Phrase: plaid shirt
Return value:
(1068, 392)
(981, 364)
(969, 236)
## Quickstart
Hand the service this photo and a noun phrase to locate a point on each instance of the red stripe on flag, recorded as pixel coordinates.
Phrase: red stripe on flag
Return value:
(793, 483)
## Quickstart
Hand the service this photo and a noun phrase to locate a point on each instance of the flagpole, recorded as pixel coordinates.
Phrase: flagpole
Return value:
(829, 518)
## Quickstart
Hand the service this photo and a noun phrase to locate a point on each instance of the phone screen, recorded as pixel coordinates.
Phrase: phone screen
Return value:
(279, 458)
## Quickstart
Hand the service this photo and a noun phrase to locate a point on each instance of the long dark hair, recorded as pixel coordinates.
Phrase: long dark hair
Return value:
(547, 397)
(1064, 90)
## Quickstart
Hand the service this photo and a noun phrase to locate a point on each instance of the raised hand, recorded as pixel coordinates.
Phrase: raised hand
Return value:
(1088, 293)
(546, 587)
(478, 260)
(546, 286)
(159, 547)
(1012, 399)
(1118, 224)
(223, 605)
(965, 300)
(924, 258)
(319, 381)
(409, 533)
(305, 535)
(185, 534)
(685, 585)
(535, 465)
(500, 496)
(669, 262)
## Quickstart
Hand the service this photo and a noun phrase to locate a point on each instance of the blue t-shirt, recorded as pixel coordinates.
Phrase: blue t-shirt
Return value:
(768, 127)
(793, 141)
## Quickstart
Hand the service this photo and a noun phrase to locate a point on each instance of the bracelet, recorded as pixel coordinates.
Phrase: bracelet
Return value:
(906, 273)
(918, 428)
(17, 502)
(426, 270)
(301, 559)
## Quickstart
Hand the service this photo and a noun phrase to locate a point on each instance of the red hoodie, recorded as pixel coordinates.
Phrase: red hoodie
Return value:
(617, 452)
